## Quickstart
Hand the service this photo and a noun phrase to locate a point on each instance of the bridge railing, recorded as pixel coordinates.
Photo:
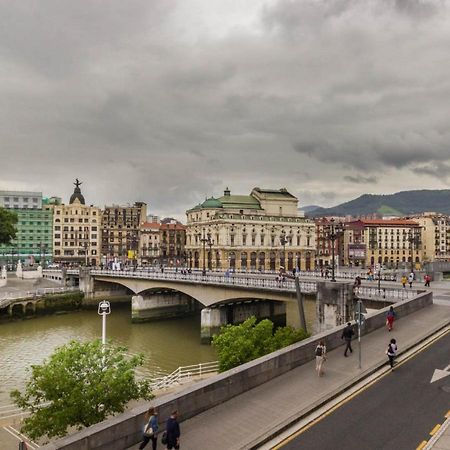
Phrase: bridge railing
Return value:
(220, 279)
(277, 283)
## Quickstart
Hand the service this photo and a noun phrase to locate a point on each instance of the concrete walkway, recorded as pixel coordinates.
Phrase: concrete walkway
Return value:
(241, 422)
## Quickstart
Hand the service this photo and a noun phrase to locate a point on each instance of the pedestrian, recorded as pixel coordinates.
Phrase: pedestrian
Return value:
(403, 281)
(390, 317)
(150, 429)
(326, 273)
(173, 431)
(427, 279)
(321, 352)
(347, 334)
(410, 279)
(391, 352)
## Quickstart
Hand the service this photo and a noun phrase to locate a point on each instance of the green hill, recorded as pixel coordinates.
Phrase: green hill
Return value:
(399, 204)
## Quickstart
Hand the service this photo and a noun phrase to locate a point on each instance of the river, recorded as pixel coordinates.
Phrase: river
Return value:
(166, 344)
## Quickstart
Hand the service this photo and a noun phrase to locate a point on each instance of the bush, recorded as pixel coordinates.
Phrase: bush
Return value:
(238, 344)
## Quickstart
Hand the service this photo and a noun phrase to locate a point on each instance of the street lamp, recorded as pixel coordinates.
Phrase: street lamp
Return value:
(210, 244)
(104, 308)
(283, 241)
(205, 240)
(333, 235)
(412, 240)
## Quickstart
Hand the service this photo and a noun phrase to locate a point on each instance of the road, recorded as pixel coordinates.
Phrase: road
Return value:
(397, 412)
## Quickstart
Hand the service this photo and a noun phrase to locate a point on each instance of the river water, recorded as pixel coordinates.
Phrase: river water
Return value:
(166, 344)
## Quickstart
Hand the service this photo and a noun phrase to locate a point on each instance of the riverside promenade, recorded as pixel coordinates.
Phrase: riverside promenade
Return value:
(254, 417)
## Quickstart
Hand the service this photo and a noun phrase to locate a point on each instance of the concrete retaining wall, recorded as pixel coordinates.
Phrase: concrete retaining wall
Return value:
(126, 430)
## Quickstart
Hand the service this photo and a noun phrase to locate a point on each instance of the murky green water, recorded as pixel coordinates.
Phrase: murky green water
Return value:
(167, 344)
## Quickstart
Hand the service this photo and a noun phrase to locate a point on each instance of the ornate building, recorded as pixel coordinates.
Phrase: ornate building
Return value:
(393, 243)
(260, 231)
(76, 231)
(121, 232)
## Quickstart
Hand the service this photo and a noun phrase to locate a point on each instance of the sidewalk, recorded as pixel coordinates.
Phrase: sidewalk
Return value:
(241, 422)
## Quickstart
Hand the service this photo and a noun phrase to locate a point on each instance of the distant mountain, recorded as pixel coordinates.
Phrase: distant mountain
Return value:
(309, 208)
(400, 204)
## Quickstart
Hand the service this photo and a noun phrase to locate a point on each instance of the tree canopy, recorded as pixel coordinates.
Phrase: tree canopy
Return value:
(8, 221)
(78, 386)
(238, 344)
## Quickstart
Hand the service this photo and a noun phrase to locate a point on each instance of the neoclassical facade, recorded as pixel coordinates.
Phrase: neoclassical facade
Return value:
(260, 231)
(76, 231)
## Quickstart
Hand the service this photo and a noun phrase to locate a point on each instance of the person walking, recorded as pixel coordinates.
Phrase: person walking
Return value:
(410, 279)
(347, 334)
(427, 279)
(150, 429)
(173, 431)
(391, 352)
(321, 352)
(390, 317)
(404, 281)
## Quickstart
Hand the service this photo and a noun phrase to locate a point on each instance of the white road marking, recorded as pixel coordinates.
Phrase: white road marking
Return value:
(440, 373)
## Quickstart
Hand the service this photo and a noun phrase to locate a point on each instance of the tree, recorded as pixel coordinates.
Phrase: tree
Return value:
(78, 386)
(238, 344)
(8, 221)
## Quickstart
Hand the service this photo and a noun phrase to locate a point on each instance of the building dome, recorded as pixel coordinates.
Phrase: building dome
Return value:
(211, 203)
(77, 195)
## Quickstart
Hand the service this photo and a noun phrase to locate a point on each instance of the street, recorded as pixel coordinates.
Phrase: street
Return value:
(397, 412)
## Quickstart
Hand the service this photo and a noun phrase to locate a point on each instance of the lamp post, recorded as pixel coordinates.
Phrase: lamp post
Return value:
(104, 308)
(210, 244)
(333, 236)
(283, 240)
(86, 245)
(412, 239)
(205, 240)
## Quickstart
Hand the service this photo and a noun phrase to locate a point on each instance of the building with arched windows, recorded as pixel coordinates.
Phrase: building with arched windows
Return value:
(261, 231)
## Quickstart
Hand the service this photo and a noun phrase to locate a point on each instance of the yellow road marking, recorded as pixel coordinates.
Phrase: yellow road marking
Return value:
(448, 414)
(359, 391)
(421, 445)
(435, 429)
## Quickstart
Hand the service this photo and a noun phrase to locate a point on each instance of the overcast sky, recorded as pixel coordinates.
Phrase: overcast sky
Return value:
(168, 101)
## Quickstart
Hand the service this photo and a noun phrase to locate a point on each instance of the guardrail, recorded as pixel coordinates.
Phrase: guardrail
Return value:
(185, 374)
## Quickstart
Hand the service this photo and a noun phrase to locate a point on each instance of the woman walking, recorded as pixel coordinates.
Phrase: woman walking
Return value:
(320, 353)
(390, 317)
(150, 429)
(391, 352)
(173, 431)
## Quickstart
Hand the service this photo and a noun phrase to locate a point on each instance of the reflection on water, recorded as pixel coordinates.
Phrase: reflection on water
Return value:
(166, 344)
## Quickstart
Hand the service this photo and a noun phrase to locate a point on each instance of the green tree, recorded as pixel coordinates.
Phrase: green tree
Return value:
(78, 386)
(238, 344)
(8, 221)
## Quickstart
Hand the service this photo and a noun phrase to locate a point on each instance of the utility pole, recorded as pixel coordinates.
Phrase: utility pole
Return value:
(301, 309)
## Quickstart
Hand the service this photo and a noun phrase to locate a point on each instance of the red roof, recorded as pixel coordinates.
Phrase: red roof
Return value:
(151, 225)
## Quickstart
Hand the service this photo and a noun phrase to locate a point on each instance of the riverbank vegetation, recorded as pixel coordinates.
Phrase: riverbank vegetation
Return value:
(238, 344)
(79, 385)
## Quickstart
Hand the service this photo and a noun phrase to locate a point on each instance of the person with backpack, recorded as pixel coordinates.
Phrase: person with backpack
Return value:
(150, 429)
(390, 317)
(320, 353)
(391, 352)
(411, 279)
(347, 334)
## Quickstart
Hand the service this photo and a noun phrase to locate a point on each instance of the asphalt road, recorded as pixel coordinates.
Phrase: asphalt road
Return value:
(398, 412)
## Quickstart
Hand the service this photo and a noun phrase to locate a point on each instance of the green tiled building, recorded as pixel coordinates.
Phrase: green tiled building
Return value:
(33, 243)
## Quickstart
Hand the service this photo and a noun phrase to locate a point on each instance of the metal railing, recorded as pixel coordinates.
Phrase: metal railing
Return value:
(367, 292)
(214, 279)
(185, 374)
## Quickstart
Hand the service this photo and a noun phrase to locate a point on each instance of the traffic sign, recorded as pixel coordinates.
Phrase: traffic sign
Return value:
(360, 319)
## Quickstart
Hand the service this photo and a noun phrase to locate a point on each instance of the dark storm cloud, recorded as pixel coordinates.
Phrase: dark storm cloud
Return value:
(168, 101)
(439, 170)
